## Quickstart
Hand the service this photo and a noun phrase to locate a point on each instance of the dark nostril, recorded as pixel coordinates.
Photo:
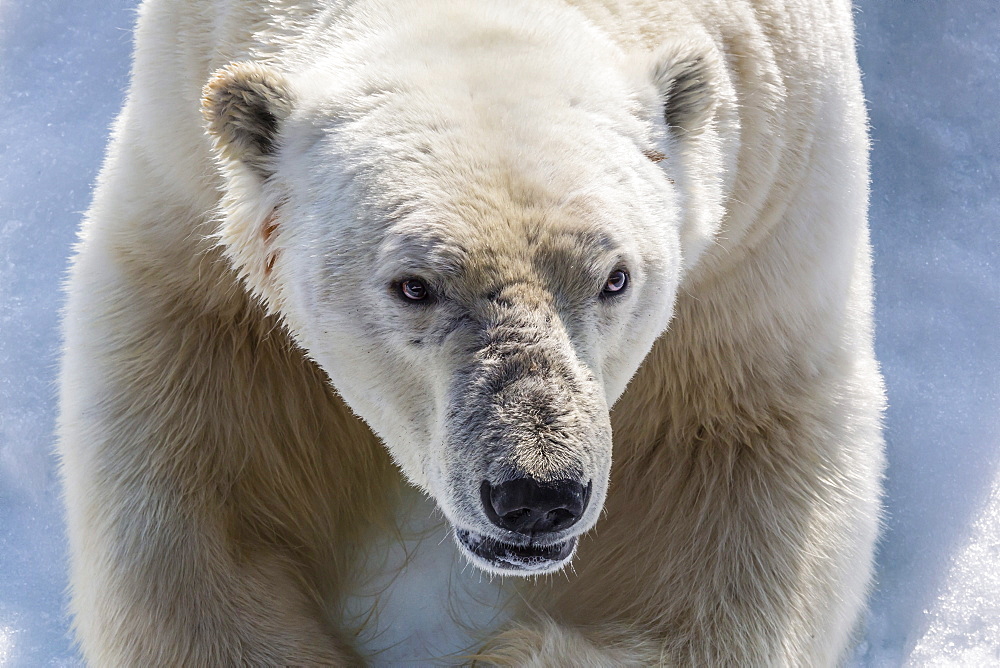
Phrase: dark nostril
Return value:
(530, 507)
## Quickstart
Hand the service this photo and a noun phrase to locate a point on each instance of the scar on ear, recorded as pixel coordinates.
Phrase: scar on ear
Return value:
(271, 257)
(653, 155)
(270, 225)
(267, 231)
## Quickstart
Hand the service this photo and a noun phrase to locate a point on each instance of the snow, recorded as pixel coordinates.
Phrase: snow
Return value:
(964, 621)
(933, 82)
(933, 89)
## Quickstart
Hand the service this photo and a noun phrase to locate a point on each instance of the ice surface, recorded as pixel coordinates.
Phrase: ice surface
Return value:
(933, 81)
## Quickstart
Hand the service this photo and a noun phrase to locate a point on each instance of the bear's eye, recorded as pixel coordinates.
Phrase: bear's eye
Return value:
(413, 290)
(617, 282)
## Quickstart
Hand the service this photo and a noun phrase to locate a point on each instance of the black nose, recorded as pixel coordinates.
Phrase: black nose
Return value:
(529, 507)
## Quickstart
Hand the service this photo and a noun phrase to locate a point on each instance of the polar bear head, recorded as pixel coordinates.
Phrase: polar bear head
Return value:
(478, 232)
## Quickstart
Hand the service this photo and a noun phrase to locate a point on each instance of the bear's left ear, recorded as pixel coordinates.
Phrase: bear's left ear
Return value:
(686, 77)
(696, 151)
(244, 105)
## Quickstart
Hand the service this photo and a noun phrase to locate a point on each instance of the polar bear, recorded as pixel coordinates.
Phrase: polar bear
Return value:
(336, 246)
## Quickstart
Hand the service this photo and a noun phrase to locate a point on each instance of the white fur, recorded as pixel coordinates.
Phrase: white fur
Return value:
(231, 317)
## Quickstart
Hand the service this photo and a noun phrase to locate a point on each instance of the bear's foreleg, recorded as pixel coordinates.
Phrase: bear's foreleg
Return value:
(546, 643)
(202, 483)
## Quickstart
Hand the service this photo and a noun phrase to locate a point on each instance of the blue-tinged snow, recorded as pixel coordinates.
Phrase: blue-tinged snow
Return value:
(933, 82)
(932, 78)
(63, 68)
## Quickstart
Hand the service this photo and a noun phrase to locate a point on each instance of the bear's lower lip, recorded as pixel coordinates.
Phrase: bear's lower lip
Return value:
(493, 555)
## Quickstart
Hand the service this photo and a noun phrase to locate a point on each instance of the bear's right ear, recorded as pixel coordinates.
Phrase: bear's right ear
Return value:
(244, 104)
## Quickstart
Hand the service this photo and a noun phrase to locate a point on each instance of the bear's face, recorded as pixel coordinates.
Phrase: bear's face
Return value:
(479, 263)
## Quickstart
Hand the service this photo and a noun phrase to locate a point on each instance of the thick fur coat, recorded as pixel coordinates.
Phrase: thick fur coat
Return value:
(611, 253)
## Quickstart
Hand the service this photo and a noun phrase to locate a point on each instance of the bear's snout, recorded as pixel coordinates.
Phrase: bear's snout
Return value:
(532, 508)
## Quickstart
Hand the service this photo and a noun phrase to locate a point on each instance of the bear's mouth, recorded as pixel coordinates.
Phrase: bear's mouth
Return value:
(497, 556)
